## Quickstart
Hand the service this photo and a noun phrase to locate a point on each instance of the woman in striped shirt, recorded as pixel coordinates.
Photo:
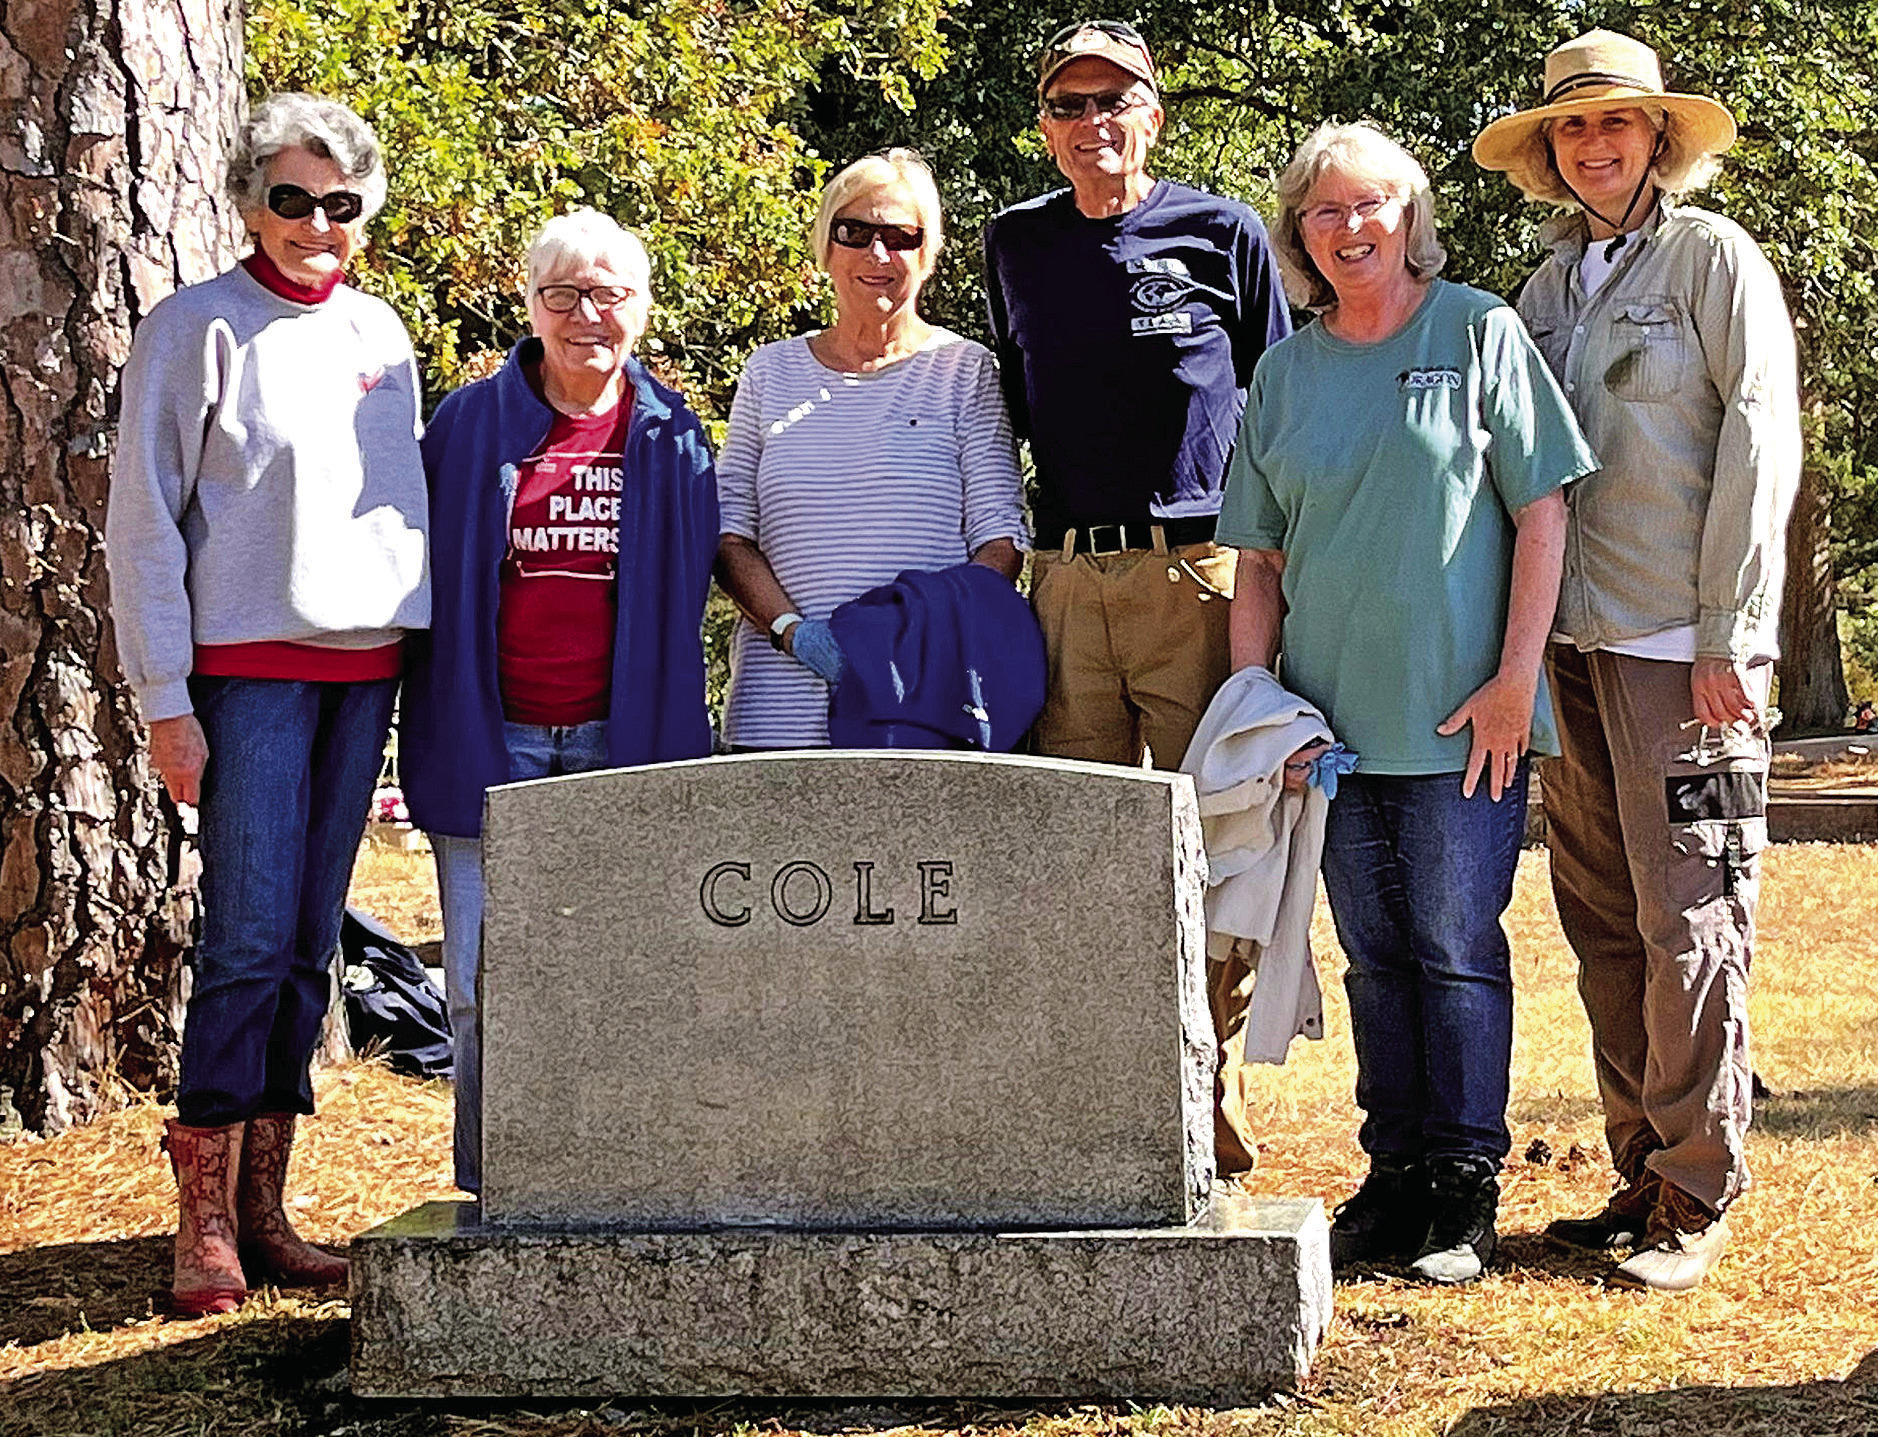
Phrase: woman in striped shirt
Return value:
(877, 445)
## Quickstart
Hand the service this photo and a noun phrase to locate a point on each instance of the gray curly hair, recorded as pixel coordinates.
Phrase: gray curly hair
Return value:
(313, 123)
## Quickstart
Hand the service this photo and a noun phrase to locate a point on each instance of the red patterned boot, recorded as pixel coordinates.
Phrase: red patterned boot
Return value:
(208, 1270)
(270, 1249)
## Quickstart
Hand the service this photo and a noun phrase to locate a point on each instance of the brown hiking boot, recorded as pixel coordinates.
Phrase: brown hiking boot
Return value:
(270, 1249)
(207, 1277)
(1685, 1239)
(1622, 1222)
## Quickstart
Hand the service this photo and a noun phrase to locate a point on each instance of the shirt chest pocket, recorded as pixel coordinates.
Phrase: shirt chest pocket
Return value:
(918, 450)
(1649, 350)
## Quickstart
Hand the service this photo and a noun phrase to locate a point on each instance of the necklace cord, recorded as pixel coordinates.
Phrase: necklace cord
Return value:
(1618, 242)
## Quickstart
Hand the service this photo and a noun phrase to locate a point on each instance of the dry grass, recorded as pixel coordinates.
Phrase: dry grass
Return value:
(398, 887)
(1538, 1348)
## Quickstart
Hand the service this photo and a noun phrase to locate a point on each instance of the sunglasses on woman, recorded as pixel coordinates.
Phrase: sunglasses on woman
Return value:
(861, 234)
(290, 202)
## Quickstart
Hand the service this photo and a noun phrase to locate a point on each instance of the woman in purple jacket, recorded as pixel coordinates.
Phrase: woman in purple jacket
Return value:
(574, 520)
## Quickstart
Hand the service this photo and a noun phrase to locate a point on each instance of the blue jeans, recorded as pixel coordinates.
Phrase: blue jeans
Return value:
(534, 752)
(284, 801)
(1417, 878)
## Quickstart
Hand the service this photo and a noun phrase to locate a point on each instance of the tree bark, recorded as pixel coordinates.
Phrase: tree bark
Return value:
(115, 121)
(1812, 678)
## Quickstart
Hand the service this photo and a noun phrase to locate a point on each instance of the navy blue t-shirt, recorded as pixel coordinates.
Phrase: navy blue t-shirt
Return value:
(1126, 346)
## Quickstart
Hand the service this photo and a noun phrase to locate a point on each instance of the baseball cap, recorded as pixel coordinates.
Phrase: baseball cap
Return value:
(1116, 41)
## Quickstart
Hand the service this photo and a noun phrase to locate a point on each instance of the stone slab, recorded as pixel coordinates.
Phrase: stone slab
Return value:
(846, 990)
(1221, 1313)
(1791, 818)
(1822, 818)
(1824, 746)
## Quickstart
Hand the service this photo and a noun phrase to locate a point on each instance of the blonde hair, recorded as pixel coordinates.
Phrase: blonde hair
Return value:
(1359, 152)
(896, 168)
(584, 237)
(1680, 169)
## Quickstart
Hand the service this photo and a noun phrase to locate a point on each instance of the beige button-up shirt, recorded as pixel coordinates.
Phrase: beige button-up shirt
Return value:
(1681, 370)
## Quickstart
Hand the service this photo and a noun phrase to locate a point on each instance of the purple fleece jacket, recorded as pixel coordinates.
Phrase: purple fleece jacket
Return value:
(450, 733)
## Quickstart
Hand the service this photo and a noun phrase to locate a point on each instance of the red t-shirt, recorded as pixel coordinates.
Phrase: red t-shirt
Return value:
(554, 627)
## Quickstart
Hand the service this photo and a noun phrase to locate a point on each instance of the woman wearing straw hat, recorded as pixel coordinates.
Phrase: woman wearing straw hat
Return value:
(1666, 328)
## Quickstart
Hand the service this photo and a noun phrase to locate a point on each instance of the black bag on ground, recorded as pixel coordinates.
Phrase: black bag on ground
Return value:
(392, 1007)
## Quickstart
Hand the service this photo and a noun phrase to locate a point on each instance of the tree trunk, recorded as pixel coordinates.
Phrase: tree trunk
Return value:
(1812, 679)
(115, 120)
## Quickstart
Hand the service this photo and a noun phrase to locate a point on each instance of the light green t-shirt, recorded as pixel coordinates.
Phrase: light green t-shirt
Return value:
(1388, 474)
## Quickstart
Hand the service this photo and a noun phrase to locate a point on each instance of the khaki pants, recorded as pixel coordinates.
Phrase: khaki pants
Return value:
(1137, 647)
(1655, 826)
(1228, 994)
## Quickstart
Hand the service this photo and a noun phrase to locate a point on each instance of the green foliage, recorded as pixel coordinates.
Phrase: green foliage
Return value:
(709, 125)
(678, 119)
(1243, 84)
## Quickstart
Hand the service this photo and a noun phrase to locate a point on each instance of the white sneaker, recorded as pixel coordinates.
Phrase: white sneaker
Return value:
(1682, 1244)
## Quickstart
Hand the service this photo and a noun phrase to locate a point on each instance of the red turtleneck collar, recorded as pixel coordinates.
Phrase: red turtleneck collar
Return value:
(268, 274)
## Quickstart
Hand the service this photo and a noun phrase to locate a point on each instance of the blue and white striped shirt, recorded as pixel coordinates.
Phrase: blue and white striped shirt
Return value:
(844, 481)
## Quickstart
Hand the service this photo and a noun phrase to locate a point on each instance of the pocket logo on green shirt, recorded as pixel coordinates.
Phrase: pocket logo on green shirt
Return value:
(1410, 379)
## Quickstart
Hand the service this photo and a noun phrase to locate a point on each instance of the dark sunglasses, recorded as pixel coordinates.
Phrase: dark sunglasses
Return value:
(1120, 29)
(1072, 106)
(861, 234)
(290, 202)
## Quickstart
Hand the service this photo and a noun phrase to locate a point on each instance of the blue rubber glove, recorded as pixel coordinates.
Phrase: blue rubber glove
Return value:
(813, 644)
(1329, 766)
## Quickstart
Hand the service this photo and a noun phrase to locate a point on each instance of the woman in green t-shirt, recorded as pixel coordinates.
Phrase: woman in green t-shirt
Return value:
(1395, 495)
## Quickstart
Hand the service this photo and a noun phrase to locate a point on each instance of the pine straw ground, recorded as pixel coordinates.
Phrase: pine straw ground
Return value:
(1783, 1339)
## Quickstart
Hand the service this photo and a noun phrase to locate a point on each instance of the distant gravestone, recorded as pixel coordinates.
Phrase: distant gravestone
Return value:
(839, 1074)
(845, 991)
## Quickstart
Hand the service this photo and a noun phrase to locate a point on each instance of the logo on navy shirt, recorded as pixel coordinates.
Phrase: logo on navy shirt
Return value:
(1157, 289)
(1412, 379)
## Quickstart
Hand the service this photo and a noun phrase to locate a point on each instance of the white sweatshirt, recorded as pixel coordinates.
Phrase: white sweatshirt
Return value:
(1263, 846)
(267, 483)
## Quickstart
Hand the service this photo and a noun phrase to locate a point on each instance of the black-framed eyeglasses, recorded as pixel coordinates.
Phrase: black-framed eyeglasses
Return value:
(861, 234)
(290, 202)
(1070, 105)
(1120, 29)
(566, 298)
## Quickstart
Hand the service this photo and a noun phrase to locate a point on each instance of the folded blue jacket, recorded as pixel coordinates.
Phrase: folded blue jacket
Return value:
(951, 658)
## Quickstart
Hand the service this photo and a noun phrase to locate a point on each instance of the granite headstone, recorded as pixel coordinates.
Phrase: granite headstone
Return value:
(845, 990)
(845, 1075)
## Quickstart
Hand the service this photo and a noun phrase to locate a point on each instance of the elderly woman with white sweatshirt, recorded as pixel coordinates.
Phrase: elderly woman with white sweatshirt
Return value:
(266, 538)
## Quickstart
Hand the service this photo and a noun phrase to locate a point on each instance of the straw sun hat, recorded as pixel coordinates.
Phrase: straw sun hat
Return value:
(1598, 69)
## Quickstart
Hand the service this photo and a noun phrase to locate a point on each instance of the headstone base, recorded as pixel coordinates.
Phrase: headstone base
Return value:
(1221, 1312)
